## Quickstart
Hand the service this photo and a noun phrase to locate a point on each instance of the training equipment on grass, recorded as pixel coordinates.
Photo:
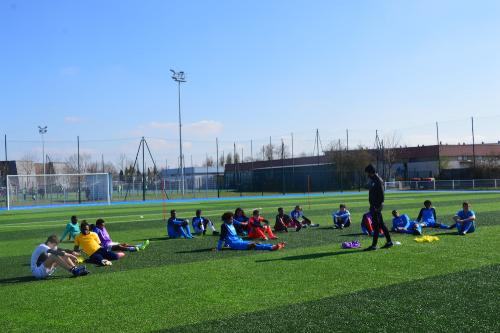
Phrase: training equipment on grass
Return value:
(426, 239)
(351, 245)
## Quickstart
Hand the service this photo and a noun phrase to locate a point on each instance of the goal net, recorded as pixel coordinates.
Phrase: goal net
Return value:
(58, 189)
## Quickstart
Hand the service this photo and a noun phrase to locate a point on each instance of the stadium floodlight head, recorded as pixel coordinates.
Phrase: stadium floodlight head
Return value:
(42, 130)
(178, 76)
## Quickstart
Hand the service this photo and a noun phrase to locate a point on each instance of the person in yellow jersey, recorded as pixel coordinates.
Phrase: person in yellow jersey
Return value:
(91, 244)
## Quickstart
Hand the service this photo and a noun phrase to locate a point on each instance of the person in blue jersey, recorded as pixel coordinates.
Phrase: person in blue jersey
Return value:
(241, 222)
(178, 228)
(427, 216)
(201, 224)
(341, 218)
(465, 220)
(299, 219)
(402, 224)
(229, 238)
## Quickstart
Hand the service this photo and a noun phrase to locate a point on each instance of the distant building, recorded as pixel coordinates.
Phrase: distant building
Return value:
(196, 178)
(319, 173)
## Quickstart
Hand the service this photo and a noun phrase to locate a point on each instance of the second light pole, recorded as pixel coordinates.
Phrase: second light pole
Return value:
(42, 131)
(179, 78)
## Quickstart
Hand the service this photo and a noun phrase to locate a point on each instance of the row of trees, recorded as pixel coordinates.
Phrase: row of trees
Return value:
(268, 152)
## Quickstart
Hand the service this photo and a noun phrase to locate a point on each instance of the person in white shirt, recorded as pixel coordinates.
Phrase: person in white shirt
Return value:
(47, 257)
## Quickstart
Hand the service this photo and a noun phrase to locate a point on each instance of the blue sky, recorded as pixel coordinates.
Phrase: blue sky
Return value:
(100, 70)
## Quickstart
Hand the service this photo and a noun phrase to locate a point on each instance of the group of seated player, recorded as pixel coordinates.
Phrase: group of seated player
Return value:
(464, 221)
(238, 225)
(255, 226)
(94, 241)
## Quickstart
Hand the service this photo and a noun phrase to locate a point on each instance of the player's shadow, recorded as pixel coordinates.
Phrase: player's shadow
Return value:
(313, 255)
(197, 250)
(353, 235)
(449, 233)
(154, 239)
(24, 279)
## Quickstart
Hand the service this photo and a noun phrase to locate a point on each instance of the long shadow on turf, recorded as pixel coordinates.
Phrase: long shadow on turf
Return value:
(312, 256)
(210, 249)
(23, 279)
(432, 302)
(353, 235)
(451, 233)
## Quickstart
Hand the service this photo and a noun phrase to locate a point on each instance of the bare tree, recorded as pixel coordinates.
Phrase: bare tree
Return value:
(269, 151)
(229, 158)
(209, 162)
(222, 161)
(27, 164)
(390, 145)
(122, 159)
(283, 151)
(350, 164)
(26, 167)
(85, 163)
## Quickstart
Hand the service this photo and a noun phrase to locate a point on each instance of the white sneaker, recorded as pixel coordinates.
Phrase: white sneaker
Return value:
(105, 262)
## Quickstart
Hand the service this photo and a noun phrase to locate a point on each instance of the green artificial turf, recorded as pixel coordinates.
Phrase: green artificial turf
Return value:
(312, 285)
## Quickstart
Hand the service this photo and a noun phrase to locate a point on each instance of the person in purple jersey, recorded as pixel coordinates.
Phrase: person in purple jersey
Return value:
(465, 220)
(100, 229)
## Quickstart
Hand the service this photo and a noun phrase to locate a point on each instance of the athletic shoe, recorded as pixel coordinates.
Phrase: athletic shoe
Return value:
(106, 262)
(215, 233)
(388, 245)
(315, 225)
(274, 237)
(79, 271)
(298, 227)
(371, 248)
(281, 245)
(144, 245)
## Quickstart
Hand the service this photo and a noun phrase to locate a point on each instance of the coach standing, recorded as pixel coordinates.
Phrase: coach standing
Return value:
(376, 199)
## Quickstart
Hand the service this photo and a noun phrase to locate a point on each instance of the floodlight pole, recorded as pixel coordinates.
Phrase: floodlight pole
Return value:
(42, 131)
(179, 77)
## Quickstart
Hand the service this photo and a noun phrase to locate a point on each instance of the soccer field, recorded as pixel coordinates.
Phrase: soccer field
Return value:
(311, 286)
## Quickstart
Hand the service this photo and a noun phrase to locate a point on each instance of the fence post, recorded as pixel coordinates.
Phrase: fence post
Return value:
(108, 176)
(8, 194)
(453, 184)
(495, 183)
(473, 185)
(434, 184)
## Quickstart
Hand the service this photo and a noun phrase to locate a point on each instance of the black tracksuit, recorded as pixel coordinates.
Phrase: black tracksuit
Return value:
(376, 199)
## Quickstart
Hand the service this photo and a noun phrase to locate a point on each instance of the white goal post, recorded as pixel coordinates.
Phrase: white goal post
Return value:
(58, 189)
